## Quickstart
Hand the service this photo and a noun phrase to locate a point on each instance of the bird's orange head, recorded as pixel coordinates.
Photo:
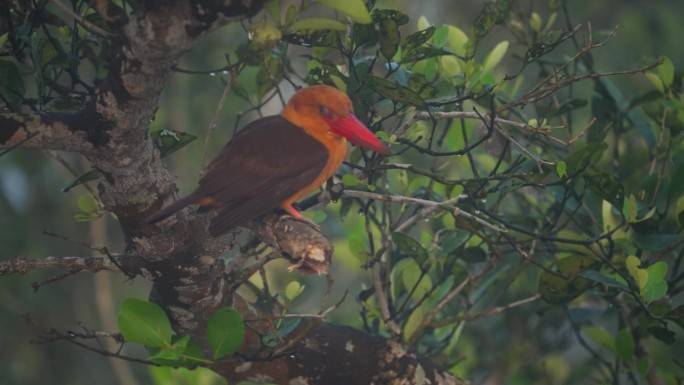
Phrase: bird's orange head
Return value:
(322, 109)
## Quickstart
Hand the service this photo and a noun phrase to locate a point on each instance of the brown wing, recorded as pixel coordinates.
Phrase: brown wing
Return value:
(267, 162)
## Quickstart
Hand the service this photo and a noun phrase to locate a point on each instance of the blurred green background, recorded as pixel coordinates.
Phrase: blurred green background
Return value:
(31, 202)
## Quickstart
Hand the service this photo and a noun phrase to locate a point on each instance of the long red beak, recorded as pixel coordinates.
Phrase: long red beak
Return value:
(351, 128)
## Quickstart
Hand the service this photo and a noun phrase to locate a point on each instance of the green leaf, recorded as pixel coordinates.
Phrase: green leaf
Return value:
(394, 91)
(536, 22)
(314, 38)
(640, 275)
(290, 14)
(604, 279)
(166, 375)
(389, 37)
(655, 286)
(666, 71)
(317, 216)
(601, 337)
(421, 86)
(225, 332)
(494, 57)
(411, 248)
(144, 323)
(173, 353)
(317, 24)
(656, 242)
(169, 141)
(655, 291)
(87, 204)
(624, 344)
(422, 53)
(656, 81)
(350, 180)
(493, 13)
(413, 322)
(449, 67)
(273, 8)
(657, 271)
(417, 39)
(414, 280)
(539, 49)
(87, 217)
(457, 40)
(293, 290)
(561, 168)
(355, 9)
(566, 283)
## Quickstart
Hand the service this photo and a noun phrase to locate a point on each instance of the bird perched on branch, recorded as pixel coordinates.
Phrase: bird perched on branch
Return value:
(276, 160)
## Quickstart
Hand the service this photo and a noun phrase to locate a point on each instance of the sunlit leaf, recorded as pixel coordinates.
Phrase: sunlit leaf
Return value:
(494, 57)
(355, 9)
(293, 290)
(457, 40)
(350, 180)
(87, 204)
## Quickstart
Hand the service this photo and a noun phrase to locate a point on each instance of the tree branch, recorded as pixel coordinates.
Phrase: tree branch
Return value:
(92, 264)
(67, 131)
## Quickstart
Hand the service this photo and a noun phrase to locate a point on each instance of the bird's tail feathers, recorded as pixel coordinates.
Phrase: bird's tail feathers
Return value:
(174, 207)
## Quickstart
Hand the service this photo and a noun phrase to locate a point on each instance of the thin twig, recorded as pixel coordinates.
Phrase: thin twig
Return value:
(483, 314)
(217, 113)
(101, 250)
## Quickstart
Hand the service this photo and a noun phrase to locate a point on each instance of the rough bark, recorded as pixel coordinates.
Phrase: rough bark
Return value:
(185, 264)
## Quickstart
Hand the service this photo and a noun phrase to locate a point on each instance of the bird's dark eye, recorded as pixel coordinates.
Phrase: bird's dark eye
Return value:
(325, 112)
